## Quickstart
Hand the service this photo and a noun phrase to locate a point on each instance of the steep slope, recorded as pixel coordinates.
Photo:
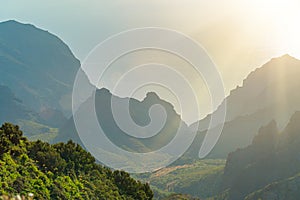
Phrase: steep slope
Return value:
(268, 93)
(11, 108)
(271, 157)
(271, 86)
(37, 66)
(288, 189)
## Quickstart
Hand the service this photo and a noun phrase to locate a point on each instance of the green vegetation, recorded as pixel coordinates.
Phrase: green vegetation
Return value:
(59, 171)
(268, 169)
(288, 189)
(36, 131)
(201, 179)
(32, 124)
(39, 68)
(180, 197)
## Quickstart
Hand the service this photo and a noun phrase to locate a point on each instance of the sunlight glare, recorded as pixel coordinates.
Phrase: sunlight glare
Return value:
(283, 17)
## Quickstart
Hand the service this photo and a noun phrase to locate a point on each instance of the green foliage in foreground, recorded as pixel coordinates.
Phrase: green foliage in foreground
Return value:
(59, 171)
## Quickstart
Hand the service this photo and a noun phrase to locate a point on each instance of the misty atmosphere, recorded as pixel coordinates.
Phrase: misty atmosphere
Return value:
(183, 100)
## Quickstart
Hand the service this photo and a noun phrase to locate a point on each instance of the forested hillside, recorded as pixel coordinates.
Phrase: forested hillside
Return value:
(59, 171)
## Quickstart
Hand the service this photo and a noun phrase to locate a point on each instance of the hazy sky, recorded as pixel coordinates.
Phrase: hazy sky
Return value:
(239, 35)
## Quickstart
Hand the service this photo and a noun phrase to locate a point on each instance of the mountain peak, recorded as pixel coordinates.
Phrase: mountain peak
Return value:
(43, 62)
(14, 23)
(104, 90)
(276, 66)
(285, 57)
(10, 21)
(152, 95)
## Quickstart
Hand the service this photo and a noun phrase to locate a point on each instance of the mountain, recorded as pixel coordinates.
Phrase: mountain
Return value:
(268, 93)
(288, 189)
(38, 67)
(271, 161)
(11, 108)
(38, 70)
(139, 111)
(268, 87)
(200, 179)
(268, 168)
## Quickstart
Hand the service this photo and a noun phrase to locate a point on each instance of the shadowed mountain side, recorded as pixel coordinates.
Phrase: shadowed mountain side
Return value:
(11, 108)
(236, 134)
(139, 112)
(260, 100)
(271, 157)
(37, 66)
(34, 126)
(288, 189)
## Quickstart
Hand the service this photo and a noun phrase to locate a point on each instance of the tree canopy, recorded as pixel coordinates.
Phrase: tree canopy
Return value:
(60, 171)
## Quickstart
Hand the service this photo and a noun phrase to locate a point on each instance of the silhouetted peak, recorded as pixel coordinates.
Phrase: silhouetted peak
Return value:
(267, 134)
(285, 57)
(42, 63)
(292, 129)
(296, 116)
(273, 68)
(284, 61)
(18, 35)
(16, 24)
(10, 22)
(103, 90)
(152, 95)
(271, 127)
(152, 98)
(104, 93)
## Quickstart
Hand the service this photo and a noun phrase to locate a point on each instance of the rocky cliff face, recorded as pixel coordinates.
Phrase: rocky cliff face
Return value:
(271, 157)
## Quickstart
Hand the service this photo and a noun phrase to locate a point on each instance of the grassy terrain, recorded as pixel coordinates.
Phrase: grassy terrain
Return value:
(287, 189)
(36, 131)
(200, 179)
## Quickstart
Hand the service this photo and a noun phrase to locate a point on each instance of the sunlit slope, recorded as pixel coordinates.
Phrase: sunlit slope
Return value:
(268, 93)
(201, 179)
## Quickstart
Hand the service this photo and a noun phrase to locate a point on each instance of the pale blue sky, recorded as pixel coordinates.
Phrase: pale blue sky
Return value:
(83, 24)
